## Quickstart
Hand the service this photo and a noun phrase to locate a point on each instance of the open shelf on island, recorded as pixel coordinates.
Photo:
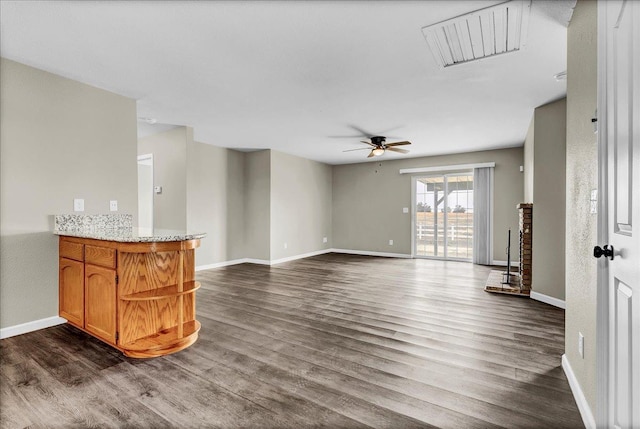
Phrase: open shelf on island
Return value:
(164, 342)
(163, 292)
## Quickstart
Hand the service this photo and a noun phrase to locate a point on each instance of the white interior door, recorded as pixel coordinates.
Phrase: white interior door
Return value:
(621, 42)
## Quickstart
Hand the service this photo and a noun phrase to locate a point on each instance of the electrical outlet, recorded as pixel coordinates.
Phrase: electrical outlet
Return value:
(113, 205)
(405, 209)
(390, 242)
(78, 205)
(285, 245)
(324, 239)
(581, 344)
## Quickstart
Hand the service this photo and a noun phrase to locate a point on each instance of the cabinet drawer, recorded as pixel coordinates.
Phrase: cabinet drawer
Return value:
(102, 256)
(71, 250)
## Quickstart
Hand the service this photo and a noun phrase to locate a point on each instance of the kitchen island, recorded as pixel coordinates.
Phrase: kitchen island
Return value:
(131, 288)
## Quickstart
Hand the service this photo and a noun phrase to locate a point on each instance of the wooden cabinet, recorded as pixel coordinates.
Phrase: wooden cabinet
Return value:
(100, 302)
(138, 297)
(71, 290)
(102, 256)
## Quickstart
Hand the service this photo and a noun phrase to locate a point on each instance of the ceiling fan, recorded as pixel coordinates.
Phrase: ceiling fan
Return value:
(378, 146)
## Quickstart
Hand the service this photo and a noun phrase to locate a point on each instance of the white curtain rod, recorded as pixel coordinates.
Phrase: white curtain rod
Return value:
(447, 168)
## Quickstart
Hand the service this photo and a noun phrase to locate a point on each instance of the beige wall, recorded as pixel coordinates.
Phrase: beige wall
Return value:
(257, 205)
(529, 161)
(368, 199)
(249, 204)
(582, 167)
(549, 153)
(301, 192)
(215, 205)
(60, 140)
(169, 151)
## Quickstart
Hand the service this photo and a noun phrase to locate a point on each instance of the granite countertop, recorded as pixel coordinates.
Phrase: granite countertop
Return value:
(132, 235)
(116, 228)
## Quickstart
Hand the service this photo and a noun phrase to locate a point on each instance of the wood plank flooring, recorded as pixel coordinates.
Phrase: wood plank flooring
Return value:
(335, 341)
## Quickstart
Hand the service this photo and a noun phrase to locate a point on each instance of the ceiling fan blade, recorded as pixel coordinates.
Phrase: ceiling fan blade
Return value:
(395, 149)
(371, 155)
(369, 143)
(360, 130)
(384, 132)
(365, 133)
(360, 148)
(398, 144)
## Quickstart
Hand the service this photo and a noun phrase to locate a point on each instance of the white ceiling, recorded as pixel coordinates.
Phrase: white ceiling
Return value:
(293, 75)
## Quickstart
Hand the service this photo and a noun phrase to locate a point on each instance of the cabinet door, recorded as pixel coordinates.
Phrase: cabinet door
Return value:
(100, 302)
(71, 289)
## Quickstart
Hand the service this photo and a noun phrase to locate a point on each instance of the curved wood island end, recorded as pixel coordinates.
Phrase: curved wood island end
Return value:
(138, 297)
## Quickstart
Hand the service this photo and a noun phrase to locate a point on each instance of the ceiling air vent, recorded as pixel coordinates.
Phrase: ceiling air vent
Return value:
(484, 33)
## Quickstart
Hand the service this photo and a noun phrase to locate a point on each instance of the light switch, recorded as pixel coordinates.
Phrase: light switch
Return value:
(78, 205)
(324, 239)
(405, 209)
(113, 205)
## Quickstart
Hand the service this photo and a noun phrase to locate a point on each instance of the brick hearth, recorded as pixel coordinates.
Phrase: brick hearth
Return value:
(525, 212)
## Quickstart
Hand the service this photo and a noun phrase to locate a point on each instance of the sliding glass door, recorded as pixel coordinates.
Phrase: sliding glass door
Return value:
(443, 216)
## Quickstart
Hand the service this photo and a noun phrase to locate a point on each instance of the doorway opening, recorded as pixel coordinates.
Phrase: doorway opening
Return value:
(443, 216)
(145, 192)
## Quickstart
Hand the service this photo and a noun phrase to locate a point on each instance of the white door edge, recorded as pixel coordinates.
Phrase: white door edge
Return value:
(602, 293)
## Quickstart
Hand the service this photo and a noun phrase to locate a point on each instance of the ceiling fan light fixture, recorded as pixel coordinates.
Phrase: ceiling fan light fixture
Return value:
(377, 151)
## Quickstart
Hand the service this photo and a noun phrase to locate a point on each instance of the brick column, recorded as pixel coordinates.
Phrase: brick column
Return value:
(525, 212)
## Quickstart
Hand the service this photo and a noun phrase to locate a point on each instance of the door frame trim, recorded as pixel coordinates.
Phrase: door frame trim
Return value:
(434, 173)
(603, 343)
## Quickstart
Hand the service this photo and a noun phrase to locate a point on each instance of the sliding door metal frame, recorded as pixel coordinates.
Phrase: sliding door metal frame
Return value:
(414, 242)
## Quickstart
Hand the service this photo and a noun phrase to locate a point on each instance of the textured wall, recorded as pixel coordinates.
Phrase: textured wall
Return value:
(549, 199)
(215, 188)
(582, 168)
(169, 151)
(301, 192)
(368, 199)
(60, 140)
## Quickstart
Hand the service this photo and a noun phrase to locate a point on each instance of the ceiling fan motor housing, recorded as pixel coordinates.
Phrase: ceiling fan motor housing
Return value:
(378, 140)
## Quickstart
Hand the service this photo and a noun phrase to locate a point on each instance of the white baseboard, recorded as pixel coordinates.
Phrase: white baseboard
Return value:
(232, 262)
(369, 253)
(221, 264)
(256, 261)
(504, 263)
(261, 261)
(548, 299)
(583, 406)
(302, 256)
(35, 325)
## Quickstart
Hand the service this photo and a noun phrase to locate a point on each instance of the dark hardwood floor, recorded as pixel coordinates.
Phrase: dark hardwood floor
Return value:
(332, 341)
